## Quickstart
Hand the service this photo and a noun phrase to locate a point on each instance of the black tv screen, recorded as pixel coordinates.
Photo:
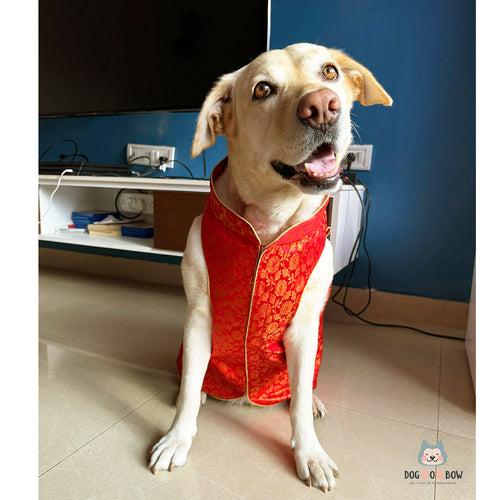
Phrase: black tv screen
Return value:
(122, 56)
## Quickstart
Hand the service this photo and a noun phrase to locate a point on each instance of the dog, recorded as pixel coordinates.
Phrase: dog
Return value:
(286, 117)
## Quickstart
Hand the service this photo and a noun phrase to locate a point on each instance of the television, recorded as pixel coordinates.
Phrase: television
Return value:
(124, 56)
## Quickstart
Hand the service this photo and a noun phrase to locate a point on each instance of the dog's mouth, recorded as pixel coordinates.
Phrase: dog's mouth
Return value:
(320, 168)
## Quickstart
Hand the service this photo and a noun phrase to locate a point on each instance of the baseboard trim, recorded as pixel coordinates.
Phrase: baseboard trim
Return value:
(444, 317)
(118, 267)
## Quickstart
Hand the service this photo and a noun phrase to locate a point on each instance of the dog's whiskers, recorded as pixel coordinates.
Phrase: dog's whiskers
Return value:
(354, 127)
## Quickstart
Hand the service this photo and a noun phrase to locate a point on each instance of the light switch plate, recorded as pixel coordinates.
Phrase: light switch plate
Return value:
(363, 153)
(144, 151)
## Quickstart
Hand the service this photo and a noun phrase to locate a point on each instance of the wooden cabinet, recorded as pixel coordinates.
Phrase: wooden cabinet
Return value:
(174, 213)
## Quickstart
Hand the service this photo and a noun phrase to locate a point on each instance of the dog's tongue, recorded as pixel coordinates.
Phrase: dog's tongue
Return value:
(322, 162)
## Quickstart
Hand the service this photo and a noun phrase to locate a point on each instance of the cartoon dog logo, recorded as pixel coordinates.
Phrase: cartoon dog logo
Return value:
(432, 454)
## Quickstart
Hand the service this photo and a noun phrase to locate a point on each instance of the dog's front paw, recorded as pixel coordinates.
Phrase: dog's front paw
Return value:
(314, 466)
(171, 450)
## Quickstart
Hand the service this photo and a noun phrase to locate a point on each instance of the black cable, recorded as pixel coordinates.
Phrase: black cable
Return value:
(130, 162)
(80, 169)
(75, 145)
(144, 174)
(152, 169)
(163, 161)
(63, 156)
(346, 282)
(395, 325)
(368, 258)
(365, 207)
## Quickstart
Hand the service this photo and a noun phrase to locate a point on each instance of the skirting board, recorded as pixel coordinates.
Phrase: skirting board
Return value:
(440, 316)
(139, 270)
(444, 317)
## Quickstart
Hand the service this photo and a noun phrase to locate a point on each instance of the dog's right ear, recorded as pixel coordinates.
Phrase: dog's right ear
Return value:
(215, 117)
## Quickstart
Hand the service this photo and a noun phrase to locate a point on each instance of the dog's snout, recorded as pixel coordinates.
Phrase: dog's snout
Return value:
(318, 108)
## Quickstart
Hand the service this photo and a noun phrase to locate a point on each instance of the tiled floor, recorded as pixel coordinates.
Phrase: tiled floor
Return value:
(386, 392)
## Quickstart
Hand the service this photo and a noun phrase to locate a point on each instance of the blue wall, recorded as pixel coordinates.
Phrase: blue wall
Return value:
(104, 138)
(422, 222)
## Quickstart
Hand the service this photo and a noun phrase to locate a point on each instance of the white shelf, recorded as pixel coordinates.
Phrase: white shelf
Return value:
(156, 184)
(144, 245)
(345, 213)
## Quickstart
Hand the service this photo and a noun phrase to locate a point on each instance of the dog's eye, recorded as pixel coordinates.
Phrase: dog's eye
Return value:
(262, 90)
(330, 72)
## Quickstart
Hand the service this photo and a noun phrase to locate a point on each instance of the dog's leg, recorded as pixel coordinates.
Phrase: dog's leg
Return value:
(314, 466)
(172, 450)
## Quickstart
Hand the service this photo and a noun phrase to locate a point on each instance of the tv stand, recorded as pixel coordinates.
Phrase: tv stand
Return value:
(78, 192)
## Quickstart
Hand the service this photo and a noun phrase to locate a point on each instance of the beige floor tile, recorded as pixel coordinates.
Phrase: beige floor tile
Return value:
(461, 457)
(81, 396)
(141, 319)
(240, 452)
(372, 454)
(134, 360)
(382, 387)
(381, 371)
(457, 398)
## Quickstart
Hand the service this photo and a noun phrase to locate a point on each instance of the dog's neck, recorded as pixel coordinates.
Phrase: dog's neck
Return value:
(269, 204)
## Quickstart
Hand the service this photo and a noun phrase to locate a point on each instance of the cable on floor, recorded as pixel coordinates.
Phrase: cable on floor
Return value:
(346, 282)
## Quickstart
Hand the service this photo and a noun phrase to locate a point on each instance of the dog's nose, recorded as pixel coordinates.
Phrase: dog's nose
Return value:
(319, 108)
(432, 457)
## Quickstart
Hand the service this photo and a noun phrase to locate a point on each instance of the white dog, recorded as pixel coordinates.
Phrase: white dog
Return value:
(286, 116)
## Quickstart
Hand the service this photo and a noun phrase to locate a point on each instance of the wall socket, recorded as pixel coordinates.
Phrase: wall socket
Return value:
(132, 203)
(363, 154)
(154, 153)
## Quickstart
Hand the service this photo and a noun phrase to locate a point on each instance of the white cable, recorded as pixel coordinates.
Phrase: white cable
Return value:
(67, 171)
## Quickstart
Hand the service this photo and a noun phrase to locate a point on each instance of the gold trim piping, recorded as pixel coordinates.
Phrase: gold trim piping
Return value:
(212, 186)
(255, 273)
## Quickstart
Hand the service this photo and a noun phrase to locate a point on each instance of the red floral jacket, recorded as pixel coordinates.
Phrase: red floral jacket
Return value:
(254, 293)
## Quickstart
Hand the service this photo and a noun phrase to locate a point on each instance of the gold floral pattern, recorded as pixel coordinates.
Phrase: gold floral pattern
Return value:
(254, 294)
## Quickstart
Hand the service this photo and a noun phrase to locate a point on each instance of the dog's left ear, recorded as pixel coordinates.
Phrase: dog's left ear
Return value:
(215, 117)
(364, 85)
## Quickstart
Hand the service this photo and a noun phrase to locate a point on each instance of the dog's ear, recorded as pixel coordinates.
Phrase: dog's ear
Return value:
(363, 84)
(215, 117)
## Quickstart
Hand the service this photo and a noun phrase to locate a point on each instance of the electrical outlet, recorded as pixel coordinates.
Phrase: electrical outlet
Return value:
(143, 151)
(136, 202)
(363, 154)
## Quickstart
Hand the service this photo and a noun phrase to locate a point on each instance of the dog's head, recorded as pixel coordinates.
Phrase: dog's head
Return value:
(288, 113)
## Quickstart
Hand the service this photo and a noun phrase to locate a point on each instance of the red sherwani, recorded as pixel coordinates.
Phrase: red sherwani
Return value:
(254, 293)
